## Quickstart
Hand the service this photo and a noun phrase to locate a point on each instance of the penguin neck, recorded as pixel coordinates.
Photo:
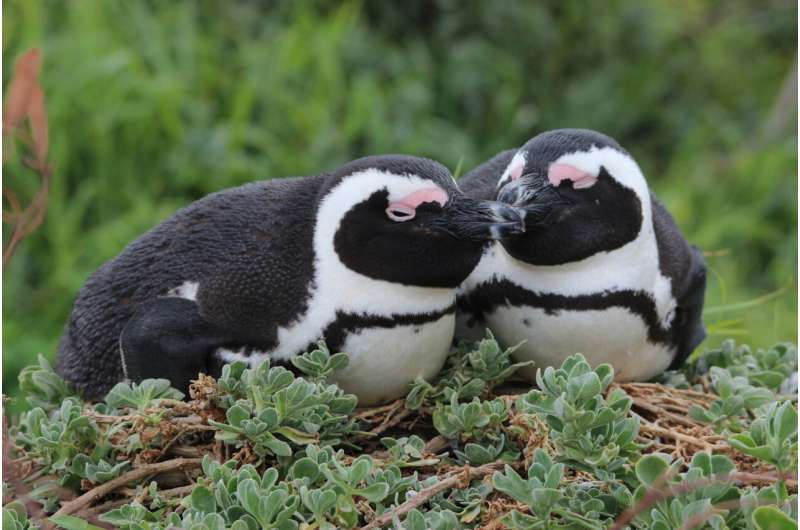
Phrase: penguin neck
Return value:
(632, 266)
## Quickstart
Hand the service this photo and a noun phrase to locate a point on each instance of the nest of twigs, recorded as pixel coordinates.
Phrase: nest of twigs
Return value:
(181, 438)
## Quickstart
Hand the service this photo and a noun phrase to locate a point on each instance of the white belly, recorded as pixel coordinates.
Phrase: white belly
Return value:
(614, 335)
(384, 361)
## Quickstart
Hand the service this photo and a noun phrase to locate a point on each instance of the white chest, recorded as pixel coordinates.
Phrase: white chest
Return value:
(614, 335)
(383, 361)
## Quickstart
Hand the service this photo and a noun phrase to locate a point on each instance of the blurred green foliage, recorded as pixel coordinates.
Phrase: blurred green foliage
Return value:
(155, 104)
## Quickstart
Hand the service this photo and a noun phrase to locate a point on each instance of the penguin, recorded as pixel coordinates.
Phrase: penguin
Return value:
(605, 273)
(367, 258)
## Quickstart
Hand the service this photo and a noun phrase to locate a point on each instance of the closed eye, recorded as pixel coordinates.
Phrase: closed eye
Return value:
(400, 213)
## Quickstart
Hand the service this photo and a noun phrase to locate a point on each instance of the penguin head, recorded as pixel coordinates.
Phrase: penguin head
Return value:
(582, 194)
(402, 219)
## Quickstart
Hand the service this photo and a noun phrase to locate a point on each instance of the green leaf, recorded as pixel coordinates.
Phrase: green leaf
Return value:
(203, 500)
(237, 414)
(743, 440)
(374, 493)
(69, 522)
(771, 518)
(650, 468)
(786, 422)
(699, 414)
(510, 483)
(360, 469)
(305, 468)
(745, 444)
(544, 499)
(278, 447)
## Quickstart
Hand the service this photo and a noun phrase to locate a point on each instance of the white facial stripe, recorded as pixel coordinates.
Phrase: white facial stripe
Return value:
(359, 186)
(513, 170)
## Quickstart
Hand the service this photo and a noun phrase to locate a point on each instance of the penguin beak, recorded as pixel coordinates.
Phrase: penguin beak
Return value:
(476, 220)
(535, 196)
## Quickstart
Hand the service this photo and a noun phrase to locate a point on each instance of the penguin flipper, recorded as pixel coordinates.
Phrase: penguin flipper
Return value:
(685, 266)
(167, 338)
(691, 300)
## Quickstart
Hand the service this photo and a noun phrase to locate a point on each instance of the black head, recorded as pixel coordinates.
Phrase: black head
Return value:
(403, 219)
(582, 194)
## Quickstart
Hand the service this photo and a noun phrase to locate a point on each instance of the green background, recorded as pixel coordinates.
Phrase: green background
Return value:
(155, 104)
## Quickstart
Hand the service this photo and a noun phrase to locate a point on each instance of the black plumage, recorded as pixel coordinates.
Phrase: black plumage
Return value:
(232, 269)
(255, 262)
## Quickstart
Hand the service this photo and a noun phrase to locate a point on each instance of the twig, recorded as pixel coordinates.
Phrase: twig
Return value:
(180, 491)
(655, 409)
(436, 444)
(423, 496)
(390, 421)
(30, 219)
(374, 411)
(661, 388)
(652, 427)
(104, 489)
(495, 523)
(184, 431)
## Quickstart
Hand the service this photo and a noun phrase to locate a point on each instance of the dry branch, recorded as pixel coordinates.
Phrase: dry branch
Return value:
(453, 480)
(131, 476)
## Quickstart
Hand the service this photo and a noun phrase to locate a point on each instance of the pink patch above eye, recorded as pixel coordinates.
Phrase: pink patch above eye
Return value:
(405, 208)
(516, 171)
(428, 195)
(580, 178)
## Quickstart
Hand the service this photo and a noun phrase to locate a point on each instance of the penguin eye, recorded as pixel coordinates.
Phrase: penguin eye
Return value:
(400, 212)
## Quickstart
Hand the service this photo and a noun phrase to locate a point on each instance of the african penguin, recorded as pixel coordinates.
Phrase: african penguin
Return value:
(606, 273)
(367, 257)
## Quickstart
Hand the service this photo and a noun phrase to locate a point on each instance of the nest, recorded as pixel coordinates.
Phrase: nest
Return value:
(182, 436)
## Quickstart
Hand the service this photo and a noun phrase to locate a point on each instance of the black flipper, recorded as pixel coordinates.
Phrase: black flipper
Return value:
(167, 338)
(684, 265)
(691, 330)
